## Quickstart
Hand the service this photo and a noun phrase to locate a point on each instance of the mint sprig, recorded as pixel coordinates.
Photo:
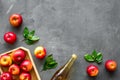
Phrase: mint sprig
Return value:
(50, 63)
(94, 57)
(29, 36)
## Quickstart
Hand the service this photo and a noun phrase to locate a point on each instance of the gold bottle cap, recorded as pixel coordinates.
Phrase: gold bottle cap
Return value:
(74, 56)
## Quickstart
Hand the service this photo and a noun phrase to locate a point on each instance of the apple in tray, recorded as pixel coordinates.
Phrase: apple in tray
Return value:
(26, 65)
(18, 55)
(25, 76)
(14, 69)
(6, 76)
(5, 60)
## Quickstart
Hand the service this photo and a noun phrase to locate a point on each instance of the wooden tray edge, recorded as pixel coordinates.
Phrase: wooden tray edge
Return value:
(37, 74)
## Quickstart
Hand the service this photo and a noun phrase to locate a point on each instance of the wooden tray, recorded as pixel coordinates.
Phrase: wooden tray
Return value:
(33, 72)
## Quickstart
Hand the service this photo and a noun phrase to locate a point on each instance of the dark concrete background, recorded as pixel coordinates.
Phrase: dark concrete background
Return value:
(66, 27)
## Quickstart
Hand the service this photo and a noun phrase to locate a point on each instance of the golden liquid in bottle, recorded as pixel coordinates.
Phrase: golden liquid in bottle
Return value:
(63, 72)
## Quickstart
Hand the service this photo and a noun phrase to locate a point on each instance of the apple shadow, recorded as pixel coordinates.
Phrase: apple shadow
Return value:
(110, 74)
(16, 29)
(9, 46)
(92, 78)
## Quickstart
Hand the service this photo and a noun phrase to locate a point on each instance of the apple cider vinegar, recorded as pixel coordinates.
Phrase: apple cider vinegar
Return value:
(63, 72)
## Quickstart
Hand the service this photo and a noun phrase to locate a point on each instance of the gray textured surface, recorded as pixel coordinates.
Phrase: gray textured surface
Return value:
(66, 27)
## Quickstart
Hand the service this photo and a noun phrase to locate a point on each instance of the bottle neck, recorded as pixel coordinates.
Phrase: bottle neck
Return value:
(70, 62)
(63, 72)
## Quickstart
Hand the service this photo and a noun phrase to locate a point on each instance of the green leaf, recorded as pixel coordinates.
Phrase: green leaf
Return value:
(32, 33)
(50, 63)
(94, 57)
(88, 58)
(99, 58)
(29, 36)
(99, 61)
(53, 65)
(29, 42)
(49, 58)
(25, 32)
(35, 38)
(94, 54)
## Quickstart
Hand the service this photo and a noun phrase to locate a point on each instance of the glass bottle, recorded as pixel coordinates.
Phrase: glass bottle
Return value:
(63, 72)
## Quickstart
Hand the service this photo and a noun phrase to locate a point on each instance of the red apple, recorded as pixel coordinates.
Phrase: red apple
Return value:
(10, 37)
(18, 55)
(5, 60)
(25, 76)
(6, 76)
(26, 65)
(40, 52)
(15, 20)
(14, 69)
(92, 70)
(111, 65)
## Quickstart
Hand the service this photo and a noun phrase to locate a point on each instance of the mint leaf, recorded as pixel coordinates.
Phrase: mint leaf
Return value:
(29, 36)
(99, 58)
(25, 32)
(94, 54)
(94, 57)
(35, 38)
(49, 58)
(50, 63)
(99, 61)
(29, 42)
(32, 33)
(88, 58)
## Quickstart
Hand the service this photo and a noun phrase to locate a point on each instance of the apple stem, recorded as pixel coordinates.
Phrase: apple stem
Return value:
(22, 40)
